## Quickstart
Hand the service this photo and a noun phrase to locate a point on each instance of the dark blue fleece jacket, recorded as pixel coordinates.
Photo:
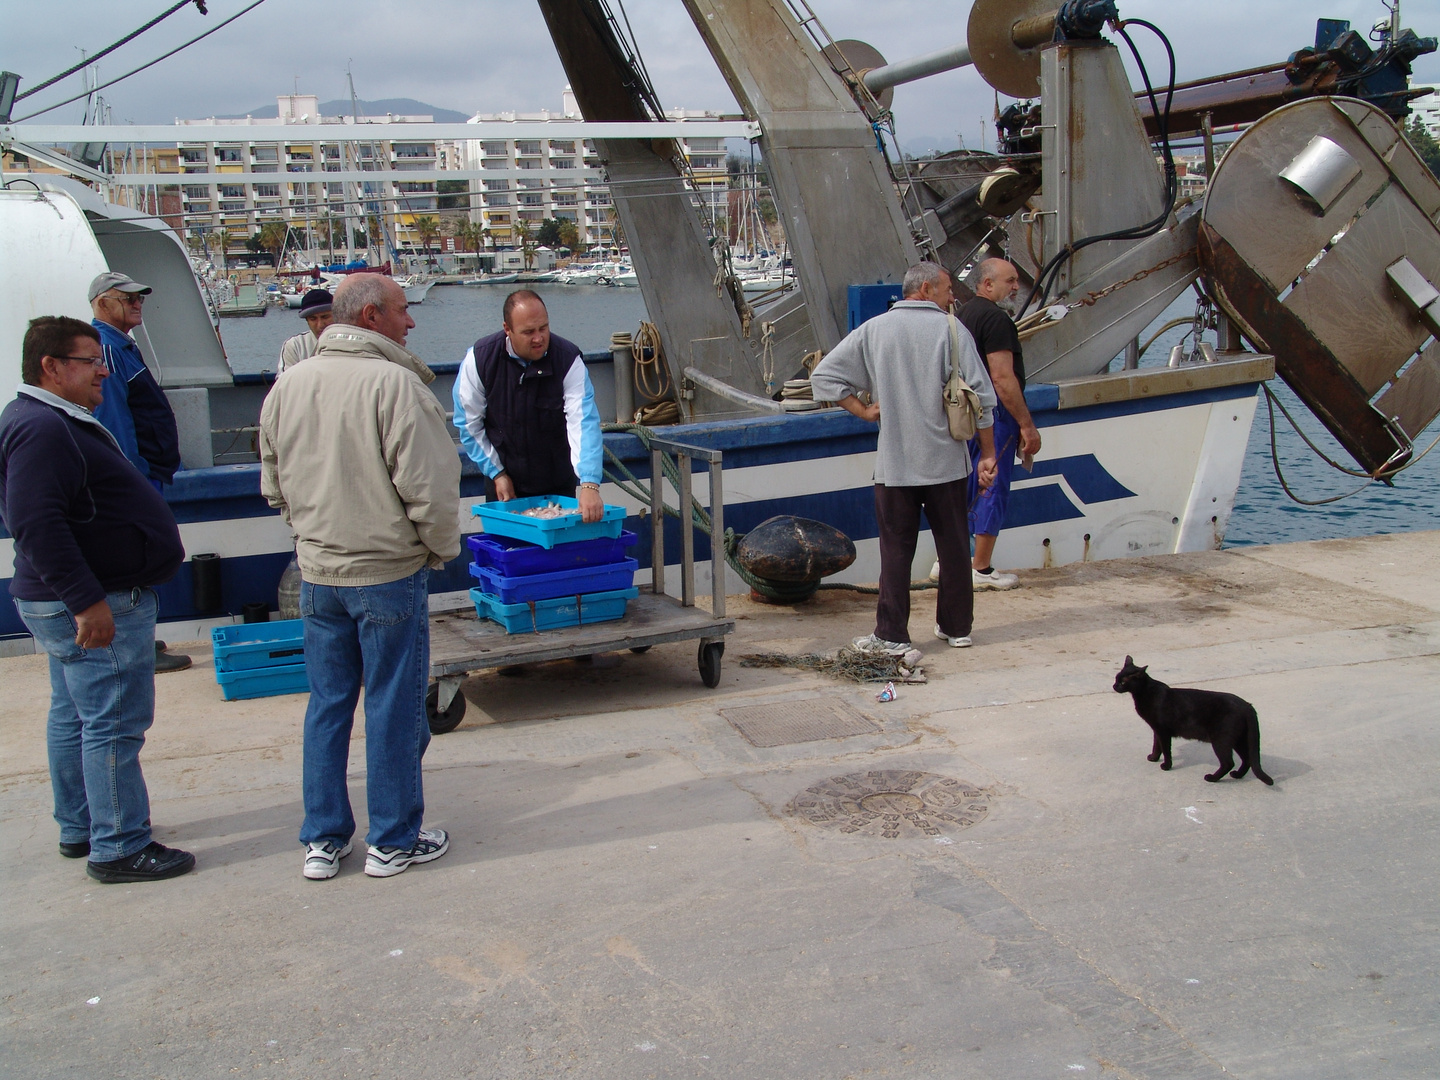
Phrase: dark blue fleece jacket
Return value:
(85, 521)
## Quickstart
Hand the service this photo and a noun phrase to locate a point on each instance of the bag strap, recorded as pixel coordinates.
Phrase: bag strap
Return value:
(954, 343)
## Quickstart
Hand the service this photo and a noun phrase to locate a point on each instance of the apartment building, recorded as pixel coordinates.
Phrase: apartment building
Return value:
(543, 174)
(265, 181)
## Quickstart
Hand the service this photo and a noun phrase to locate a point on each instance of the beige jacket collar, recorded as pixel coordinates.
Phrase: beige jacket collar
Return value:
(340, 339)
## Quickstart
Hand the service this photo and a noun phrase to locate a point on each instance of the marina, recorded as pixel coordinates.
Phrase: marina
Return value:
(691, 832)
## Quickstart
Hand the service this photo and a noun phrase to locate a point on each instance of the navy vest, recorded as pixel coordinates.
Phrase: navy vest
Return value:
(525, 414)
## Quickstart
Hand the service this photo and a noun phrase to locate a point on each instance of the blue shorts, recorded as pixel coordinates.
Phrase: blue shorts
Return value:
(987, 508)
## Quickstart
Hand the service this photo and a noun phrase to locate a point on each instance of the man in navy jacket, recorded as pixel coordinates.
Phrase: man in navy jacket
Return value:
(92, 539)
(133, 408)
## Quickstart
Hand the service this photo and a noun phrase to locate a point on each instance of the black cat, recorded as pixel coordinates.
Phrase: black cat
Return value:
(1226, 722)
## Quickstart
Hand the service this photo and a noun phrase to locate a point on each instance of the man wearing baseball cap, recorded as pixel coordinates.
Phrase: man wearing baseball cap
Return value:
(315, 310)
(134, 409)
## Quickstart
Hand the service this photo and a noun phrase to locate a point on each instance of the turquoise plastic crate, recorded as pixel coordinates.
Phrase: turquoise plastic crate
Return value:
(504, 519)
(553, 614)
(263, 682)
(259, 645)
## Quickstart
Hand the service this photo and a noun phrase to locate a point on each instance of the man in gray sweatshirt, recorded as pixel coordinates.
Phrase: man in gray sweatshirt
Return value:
(902, 359)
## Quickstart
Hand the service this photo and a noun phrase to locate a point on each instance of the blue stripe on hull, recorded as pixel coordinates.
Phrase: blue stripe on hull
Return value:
(232, 492)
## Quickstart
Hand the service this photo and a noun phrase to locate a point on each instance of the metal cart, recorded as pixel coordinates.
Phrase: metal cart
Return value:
(461, 643)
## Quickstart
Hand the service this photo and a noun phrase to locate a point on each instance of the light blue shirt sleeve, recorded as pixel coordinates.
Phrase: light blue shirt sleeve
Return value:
(582, 424)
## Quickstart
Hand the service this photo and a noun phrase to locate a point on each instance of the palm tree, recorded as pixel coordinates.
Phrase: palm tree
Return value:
(273, 235)
(527, 244)
(467, 234)
(428, 227)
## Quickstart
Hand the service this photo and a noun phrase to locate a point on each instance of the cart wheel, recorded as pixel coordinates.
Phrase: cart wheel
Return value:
(450, 719)
(710, 654)
(641, 649)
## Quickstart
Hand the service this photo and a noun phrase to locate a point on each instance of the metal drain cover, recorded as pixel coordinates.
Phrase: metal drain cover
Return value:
(784, 722)
(892, 803)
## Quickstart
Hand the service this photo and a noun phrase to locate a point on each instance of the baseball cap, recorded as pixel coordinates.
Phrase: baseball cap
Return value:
(112, 279)
(316, 302)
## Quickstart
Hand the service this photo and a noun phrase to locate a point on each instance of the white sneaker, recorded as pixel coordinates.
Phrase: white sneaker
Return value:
(322, 860)
(935, 571)
(874, 646)
(993, 580)
(955, 642)
(389, 861)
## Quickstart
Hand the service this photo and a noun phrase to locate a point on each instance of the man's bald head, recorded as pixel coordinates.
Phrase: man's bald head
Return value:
(999, 280)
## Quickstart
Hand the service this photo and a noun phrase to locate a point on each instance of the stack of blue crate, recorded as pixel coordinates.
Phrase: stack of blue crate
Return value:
(543, 573)
(260, 659)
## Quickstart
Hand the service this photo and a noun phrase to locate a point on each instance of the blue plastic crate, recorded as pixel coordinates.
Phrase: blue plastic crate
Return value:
(263, 682)
(506, 519)
(259, 645)
(552, 614)
(515, 558)
(587, 579)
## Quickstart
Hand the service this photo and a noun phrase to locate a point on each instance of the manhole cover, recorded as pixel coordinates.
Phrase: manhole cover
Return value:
(892, 803)
(785, 722)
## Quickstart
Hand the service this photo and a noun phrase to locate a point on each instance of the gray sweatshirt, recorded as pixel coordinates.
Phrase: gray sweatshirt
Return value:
(903, 359)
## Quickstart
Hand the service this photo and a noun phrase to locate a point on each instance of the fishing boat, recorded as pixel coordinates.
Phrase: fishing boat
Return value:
(416, 289)
(1136, 461)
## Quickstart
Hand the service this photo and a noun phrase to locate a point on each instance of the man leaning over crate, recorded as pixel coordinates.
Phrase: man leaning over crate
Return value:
(526, 411)
(356, 454)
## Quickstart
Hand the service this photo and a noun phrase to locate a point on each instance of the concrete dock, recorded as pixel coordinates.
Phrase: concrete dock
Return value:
(987, 879)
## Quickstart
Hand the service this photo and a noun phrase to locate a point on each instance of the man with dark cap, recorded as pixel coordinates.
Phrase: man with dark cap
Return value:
(135, 409)
(315, 310)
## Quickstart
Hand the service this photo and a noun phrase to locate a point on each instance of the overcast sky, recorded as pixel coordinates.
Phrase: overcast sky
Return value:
(496, 55)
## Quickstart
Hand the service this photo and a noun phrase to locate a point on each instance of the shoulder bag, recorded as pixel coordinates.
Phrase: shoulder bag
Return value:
(962, 404)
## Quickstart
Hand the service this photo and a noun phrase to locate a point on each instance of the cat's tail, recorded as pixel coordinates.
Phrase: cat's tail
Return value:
(1254, 755)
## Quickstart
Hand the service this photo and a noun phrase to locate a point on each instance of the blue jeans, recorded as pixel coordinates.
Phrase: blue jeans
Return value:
(102, 701)
(379, 634)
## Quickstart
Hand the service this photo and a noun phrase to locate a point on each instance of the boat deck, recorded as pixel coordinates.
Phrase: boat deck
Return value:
(984, 877)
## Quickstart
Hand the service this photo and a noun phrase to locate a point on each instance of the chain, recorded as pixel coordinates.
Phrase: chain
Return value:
(1091, 298)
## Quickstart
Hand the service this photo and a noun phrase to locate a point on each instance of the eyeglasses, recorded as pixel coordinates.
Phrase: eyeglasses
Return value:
(93, 361)
(131, 299)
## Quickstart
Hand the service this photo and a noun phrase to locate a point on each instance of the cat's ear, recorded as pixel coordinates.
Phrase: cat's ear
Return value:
(1129, 661)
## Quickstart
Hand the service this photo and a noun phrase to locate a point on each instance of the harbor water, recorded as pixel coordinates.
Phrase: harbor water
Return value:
(453, 317)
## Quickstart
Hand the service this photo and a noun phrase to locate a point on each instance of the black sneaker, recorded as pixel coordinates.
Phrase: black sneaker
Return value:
(151, 863)
(169, 661)
(77, 850)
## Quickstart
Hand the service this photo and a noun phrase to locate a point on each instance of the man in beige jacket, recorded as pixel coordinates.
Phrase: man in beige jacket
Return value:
(355, 452)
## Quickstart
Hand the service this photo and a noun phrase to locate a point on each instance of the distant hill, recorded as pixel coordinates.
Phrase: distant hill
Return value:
(396, 106)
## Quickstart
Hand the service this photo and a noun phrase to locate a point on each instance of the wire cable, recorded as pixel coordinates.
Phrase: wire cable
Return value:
(142, 67)
(111, 48)
(1049, 273)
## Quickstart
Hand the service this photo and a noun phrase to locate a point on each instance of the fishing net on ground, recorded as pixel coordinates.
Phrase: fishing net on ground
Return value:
(847, 663)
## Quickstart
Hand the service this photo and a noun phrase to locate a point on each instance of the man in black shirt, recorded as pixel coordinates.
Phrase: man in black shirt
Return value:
(1015, 433)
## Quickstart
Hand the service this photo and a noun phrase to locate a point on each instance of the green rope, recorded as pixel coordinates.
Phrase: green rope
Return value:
(618, 473)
